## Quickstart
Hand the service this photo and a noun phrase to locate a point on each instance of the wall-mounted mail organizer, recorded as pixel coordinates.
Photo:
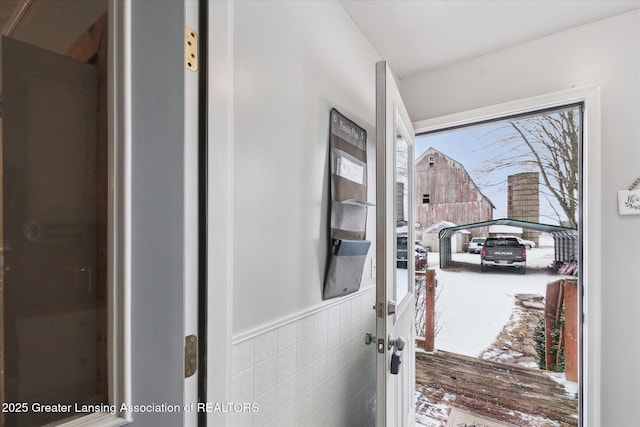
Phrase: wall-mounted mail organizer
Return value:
(348, 168)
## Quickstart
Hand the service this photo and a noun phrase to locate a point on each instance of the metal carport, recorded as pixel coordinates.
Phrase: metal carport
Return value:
(565, 239)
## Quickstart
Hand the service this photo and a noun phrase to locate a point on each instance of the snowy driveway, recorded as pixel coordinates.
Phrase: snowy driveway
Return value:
(473, 307)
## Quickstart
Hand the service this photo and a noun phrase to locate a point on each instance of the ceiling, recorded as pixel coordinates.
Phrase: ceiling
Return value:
(415, 36)
(50, 24)
(412, 35)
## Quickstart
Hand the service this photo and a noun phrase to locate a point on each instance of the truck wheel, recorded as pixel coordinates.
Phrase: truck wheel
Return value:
(523, 270)
(483, 267)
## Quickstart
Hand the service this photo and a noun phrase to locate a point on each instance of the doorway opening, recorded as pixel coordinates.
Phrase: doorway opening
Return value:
(498, 335)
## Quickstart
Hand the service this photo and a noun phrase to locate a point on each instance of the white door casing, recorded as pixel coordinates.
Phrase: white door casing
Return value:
(591, 234)
(191, 247)
(154, 79)
(395, 279)
(220, 207)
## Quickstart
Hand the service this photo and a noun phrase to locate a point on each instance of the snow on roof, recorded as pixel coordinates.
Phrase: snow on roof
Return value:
(436, 227)
(554, 230)
(505, 229)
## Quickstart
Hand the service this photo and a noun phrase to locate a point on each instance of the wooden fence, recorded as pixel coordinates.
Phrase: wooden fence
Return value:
(562, 299)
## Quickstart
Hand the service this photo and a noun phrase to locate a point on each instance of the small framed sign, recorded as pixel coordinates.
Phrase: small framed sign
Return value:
(629, 202)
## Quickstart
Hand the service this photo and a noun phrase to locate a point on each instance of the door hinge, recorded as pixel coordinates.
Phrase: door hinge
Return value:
(190, 355)
(190, 48)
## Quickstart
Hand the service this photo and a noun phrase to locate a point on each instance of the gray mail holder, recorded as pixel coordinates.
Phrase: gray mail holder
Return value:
(345, 267)
(348, 221)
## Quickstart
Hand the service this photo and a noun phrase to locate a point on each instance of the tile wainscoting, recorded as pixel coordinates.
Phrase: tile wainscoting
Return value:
(311, 370)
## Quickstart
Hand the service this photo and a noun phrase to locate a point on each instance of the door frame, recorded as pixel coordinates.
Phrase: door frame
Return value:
(391, 117)
(220, 207)
(121, 270)
(192, 215)
(590, 222)
(121, 127)
(119, 225)
(121, 108)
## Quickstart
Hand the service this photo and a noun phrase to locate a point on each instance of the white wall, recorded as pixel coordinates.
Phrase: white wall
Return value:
(294, 61)
(303, 360)
(606, 53)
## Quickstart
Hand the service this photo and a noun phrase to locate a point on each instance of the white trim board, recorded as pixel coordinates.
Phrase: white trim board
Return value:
(120, 204)
(220, 191)
(325, 305)
(119, 222)
(591, 227)
(494, 112)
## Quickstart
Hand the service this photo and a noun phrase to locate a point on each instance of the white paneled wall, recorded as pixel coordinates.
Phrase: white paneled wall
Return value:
(313, 370)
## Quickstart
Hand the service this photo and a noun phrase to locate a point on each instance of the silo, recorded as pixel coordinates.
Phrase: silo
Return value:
(523, 200)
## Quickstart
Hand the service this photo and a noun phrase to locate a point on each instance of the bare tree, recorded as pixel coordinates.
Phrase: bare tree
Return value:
(548, 144)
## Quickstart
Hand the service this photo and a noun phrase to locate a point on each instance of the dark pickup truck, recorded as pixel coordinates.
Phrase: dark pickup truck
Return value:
(503, 252)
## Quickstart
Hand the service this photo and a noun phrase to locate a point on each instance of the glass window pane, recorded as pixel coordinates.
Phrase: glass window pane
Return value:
(404, 247)
(54, 213)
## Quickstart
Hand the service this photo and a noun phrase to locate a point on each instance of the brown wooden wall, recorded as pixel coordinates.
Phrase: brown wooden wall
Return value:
(453, 196)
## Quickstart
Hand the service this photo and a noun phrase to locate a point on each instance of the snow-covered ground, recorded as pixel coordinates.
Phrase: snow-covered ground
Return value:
(473, 307)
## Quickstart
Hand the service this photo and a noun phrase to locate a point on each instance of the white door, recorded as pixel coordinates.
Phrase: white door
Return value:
(395, 260)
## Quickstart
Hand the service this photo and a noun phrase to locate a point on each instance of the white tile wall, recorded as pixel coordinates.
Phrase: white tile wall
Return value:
(265, 346)
(312, 371)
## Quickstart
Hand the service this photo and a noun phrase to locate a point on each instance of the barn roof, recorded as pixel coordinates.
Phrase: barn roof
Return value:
(431, 149)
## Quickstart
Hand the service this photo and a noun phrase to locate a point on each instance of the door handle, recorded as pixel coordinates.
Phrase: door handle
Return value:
(391, 307)
(395, 363)
(396, 357)
(368, 338)
(398, 343)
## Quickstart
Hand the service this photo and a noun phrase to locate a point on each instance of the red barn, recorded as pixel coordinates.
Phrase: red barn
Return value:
(446, 192)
